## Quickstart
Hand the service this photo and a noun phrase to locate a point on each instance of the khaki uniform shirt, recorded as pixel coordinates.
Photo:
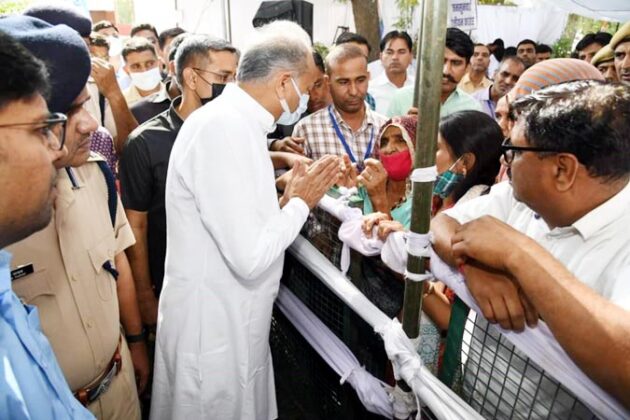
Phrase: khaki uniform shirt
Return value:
(469, 87)
(76, 297)
(132, 94)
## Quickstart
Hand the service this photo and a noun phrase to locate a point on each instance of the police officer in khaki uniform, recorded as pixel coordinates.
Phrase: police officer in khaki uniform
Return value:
(75, 270)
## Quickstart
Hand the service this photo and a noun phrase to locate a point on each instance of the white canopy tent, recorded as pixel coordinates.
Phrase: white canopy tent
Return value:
(540, 20)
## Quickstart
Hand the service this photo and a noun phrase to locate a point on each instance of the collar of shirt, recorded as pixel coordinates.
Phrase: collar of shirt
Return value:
(175, 120)
(383, 80)
(482, 94)
(466, 81)
(161, 95)
(250, 107)
(368, 120)
(453, 97)
(132, 94)
(64, 184)
(5, 271)
(599, 217)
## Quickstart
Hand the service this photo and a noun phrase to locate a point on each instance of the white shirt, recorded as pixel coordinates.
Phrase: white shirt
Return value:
(596, 248)
(376, 68)
(493, 66)
(383, 90)
(226, 237)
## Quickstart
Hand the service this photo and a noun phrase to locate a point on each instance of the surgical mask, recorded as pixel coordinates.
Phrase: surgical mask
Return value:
(217, 89)
(288, 117)
(115, 46)
(397, 165)
(447, 181)
(147, 80)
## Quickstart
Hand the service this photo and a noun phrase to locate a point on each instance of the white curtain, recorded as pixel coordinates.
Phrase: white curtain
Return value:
(513, 24)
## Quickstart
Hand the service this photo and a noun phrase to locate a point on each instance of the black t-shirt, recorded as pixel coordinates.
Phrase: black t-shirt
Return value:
(152, 105)
(142, 172)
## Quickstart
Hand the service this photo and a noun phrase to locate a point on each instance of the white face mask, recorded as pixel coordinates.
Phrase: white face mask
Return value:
(288, 117)
(115, 46)
(147, 80)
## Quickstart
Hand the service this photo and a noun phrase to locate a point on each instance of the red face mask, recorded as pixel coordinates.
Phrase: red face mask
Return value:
(397, 165)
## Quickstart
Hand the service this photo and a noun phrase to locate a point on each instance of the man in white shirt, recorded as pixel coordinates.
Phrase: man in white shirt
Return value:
(227, 233)
(574, 200)
(396, 57)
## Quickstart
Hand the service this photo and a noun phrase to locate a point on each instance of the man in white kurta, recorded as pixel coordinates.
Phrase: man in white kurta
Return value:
(226, 237)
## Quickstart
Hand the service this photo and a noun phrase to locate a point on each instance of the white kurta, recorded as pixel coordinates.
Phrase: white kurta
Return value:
(226, 237)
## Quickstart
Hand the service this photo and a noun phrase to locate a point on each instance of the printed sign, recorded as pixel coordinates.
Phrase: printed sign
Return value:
(462, 14)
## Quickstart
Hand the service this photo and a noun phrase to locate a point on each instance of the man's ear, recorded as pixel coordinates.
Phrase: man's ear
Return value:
(280, 83)
(171, 68)
(189, 78)
(566, 171)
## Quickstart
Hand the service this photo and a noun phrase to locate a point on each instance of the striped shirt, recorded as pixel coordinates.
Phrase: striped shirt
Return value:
(321, 138)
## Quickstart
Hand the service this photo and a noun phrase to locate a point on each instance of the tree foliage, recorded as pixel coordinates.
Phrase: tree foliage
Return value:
(8, 7)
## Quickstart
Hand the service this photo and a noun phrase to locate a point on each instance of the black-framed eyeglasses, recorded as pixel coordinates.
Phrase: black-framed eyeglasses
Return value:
(509, 150)
(222, 77)
(53, 128)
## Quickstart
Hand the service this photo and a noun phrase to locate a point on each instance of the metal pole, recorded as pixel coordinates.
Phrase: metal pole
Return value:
(228, 20)
(428, 88)
(418, 52)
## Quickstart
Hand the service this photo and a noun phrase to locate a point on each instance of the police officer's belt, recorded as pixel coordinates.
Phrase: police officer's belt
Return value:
(88, 395)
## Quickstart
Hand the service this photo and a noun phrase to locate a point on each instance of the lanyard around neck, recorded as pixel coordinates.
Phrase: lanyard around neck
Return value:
(491, 102)
(343, 141)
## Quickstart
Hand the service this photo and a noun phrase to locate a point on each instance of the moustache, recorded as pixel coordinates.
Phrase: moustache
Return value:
(449, 78)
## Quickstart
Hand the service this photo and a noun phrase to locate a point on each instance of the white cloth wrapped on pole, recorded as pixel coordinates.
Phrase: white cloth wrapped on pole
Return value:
(370, 390)
(440, 400)
(540, 346)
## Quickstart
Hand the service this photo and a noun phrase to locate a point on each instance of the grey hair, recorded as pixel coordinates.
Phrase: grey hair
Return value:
(278, 46)
(197, 47)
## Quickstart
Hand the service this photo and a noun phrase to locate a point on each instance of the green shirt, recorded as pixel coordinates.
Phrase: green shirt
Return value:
(401, 214)
(457, 101)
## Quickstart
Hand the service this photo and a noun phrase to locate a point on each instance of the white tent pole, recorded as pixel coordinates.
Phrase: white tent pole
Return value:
(227, 17)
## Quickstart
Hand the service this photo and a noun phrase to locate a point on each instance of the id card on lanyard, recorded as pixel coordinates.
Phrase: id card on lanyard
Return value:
(342, 139)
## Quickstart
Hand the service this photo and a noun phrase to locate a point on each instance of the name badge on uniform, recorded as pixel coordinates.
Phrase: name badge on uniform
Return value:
(22, 271)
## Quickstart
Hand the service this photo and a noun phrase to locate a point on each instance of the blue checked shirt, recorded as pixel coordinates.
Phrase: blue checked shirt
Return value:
(32, 385)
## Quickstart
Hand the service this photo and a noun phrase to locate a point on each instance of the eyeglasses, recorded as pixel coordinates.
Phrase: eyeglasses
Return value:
(509, 150)
(53, 128)
(222, 77)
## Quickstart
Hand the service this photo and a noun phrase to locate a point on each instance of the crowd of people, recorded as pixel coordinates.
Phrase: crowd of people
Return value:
(151, 186)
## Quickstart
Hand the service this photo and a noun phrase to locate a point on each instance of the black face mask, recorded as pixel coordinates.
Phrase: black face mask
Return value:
(217, 89)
